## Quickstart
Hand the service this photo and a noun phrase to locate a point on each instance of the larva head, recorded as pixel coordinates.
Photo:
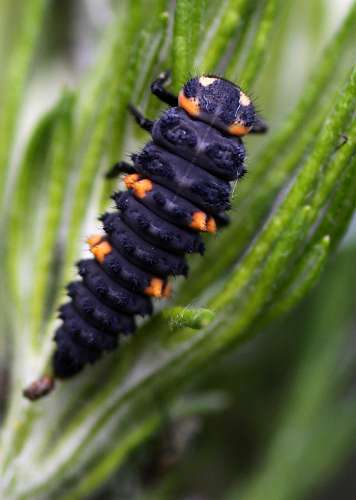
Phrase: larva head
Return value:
(218, 102)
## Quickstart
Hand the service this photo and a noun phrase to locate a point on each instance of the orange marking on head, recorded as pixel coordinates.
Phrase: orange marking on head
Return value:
(94, 239)
(189, 104)
(211, 225)
(130, 180)
(155, 288)
(101, 250)
(238, 129)
(199, 220)
(141, 188)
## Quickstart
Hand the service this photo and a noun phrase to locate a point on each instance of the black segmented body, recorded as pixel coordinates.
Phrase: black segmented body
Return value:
(190, 165)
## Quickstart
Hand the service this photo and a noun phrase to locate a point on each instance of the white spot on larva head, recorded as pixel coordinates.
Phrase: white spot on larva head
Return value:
(244, 99)
(206, 80)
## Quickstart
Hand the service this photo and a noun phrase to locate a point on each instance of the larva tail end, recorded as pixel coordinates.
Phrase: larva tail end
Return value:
(39, 388)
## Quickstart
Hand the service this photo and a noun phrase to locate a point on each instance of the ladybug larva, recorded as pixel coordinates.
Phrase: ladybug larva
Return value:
(178, 186)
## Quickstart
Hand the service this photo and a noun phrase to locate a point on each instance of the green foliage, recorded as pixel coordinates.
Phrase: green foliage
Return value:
(297, 452)
(291, 213)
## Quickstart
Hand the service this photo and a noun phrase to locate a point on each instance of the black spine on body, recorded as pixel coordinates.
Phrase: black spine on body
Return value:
(190, 165)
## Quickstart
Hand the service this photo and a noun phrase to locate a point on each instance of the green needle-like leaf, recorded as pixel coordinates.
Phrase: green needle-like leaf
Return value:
(44, 264)
(28, 29)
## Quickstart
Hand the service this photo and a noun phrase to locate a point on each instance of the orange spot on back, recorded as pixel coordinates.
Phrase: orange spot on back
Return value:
(155, 288)
(141, 188)
(99, 247)
(198, 221)
(190, 105)
(94, 239)
(211, 225)
(130, 180)
(202, 222)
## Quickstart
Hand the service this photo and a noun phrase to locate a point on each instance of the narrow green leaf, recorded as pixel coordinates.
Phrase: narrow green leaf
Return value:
(97, 141)
(341, 171)
(258, 49)
(28, 187)
(60, 170)
(340, 209)
(270, 268)
(196, 14)
(28, 31)
(141, 56)
(304, 277)
(229, 18)
(156, 36)
(112, 460)
(106, 465)
(180, 43)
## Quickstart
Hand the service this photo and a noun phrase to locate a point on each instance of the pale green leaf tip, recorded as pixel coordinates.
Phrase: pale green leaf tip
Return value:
(184, 317)
(326, 241)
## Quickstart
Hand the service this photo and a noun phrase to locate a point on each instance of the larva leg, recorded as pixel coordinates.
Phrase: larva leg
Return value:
(122, 167)
(143, 122)
(157, 88)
